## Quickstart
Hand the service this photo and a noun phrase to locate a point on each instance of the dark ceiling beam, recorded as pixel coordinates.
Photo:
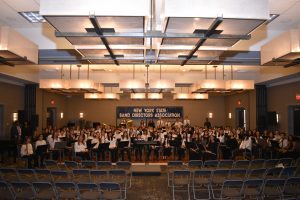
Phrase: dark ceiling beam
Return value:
(98, 30)
(153, 34)
(6, 61)
(209, 32)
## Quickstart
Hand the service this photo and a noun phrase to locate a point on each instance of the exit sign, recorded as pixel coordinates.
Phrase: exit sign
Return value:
(298, 97)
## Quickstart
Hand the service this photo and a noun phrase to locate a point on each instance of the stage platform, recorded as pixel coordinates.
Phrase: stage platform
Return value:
(146, 169)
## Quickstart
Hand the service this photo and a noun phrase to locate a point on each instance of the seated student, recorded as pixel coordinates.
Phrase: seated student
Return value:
(112, 146)
(246, 145)
(52, 141)
(81, 149)
(154, 148)
(125, 137)
(211, 149)
(166, 146)
(27, 152)
(138, 148)
(39, 155)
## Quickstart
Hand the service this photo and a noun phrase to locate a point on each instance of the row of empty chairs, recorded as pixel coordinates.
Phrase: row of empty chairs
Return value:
(220, 184)
(61, 190)
(245, 164)
(76, 175)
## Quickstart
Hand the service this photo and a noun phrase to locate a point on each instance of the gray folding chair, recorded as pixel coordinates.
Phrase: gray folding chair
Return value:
(201, 181)
(23, 190)
(98, 176)
(6, 192)
(88, 191)
(110, 190)
(44, 190)
(9, 174)
(273, 188)
(181, 182)
(252, 188)
(291, 188)
(81, 175)
(66, 190)
(27, 175)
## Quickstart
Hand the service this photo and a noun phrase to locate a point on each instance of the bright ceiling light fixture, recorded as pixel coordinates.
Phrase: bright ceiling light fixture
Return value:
(162, 84)
(33, 16)
(132, 84)
(53, 84)
(155, 96)
(138, 96)
(188, 96)
(239, 84)
(109, 96)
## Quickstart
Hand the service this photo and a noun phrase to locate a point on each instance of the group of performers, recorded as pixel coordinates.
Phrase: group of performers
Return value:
(158, 141)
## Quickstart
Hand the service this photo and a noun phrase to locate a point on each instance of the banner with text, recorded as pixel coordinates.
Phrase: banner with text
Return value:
(149, 112)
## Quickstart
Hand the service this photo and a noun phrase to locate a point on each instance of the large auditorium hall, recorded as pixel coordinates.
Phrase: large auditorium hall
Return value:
(150, 99)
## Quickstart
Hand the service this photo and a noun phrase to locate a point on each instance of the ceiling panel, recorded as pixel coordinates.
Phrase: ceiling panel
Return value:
(125, 40)
(122, 24)
(85, 40)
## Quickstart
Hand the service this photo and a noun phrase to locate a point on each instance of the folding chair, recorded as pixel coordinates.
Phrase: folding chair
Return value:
(200, 184)
(273, 173)
(104, 165)
(44, 190)
(88, 164)
(98, 176)
(60, 176)
(5, 191)
(109, 190)
(66, 190)
(51, 165)
(271, 163)
(180, 181)
(9, 174)
(119, 176)
(171, 167)
(225, 164)
(70, 165)
(241, 164)
(286, 161)
(231, 189)
(23, 190)
(194, 165)
(43, 175)
(237, 174)
(256, 173)
(211, 164)
(252, 188)
(125, 165)
(273, 188)
(26, 175)
(218, 178)
(288, 172)
(88, 191)
(291, 188)
(81, 175)
(257, 164)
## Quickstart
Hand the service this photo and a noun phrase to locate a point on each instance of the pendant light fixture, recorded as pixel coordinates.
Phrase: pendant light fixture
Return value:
(239, 84)
(162, 85)
(132, 84)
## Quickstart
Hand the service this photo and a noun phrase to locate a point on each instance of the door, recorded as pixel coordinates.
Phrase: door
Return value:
(296, 121)
(51, 116)
(1, 120)
(240, 116)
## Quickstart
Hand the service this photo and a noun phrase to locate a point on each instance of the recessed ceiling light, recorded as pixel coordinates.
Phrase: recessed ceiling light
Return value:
(110, 70)
(33, 17)
(196, 19)
(183, 70)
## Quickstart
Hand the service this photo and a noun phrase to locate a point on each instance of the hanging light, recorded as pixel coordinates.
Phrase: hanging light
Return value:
(132, 84)
(155, 96)
(138, 96)
(53, 84)
(188, 96)
(209, 84)
(239, 84)
(85, 84)
(102, 96)
(162, 84)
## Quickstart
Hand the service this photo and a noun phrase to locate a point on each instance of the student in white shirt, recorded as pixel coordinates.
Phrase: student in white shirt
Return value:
(178, 124)
(81, 149)
(125, 137)
(112, 146)
(27, 152)
(39, 154)
(186, 121)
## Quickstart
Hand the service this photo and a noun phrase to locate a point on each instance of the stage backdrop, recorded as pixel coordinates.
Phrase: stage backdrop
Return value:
(149, 112)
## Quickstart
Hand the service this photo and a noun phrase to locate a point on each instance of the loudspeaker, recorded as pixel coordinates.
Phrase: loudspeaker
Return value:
(34, 121)
(21, 116)
(272, 118)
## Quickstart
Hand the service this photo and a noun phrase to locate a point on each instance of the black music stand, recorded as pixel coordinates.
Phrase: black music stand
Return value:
(60, 147)
(41, 149)
(103, 147)
(123, 144)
